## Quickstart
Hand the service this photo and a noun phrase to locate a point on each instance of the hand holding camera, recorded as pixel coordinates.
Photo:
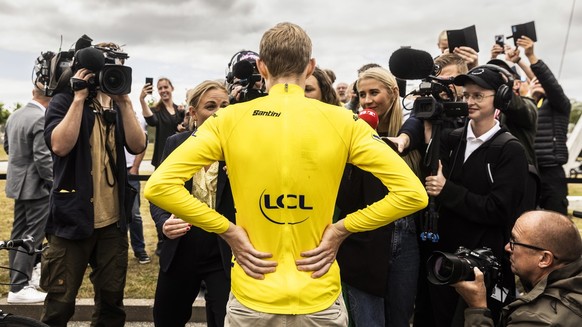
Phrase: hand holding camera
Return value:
(473, 292)
(80, 82)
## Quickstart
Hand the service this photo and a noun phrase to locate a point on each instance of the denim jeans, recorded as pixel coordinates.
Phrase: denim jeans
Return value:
(136, 225)
(366, 310)
(403, 274)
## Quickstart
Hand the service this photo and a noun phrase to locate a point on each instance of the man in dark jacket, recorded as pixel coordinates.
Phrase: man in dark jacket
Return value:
(479, 190)
(544, 250)
(550, 141)
(86, 130)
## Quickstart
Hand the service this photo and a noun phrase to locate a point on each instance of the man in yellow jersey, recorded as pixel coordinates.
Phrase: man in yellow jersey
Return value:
(285, 155)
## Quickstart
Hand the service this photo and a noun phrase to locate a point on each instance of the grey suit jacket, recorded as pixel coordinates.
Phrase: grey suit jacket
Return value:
(30, 169)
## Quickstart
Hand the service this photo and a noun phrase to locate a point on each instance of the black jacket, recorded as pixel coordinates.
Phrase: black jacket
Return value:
(364, 257)
(553, 119)
(224, 205)
(71, 213)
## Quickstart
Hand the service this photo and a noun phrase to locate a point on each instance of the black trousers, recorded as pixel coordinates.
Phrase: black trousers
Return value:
(554, 190)
(178, 287)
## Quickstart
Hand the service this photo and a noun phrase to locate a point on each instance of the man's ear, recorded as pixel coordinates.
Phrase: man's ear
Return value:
(310, 68)
(546, 260)
(262, 68)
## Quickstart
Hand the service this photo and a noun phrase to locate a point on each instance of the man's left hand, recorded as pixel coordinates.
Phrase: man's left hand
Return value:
(320, 259)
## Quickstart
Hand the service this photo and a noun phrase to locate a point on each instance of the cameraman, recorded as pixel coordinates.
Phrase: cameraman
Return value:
(479, 188)
(86, 131)
(544, 250)
(243, 81)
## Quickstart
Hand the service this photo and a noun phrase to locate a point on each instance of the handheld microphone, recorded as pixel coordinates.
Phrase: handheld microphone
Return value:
(243, 69)
(407, 63)
(369, 116)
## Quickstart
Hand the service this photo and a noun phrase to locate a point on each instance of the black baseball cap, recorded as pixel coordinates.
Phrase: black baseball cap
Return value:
(503, 64)
(483, 76)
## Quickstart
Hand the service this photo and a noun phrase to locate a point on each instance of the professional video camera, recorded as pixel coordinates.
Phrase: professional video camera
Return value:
(55, 71)
(242, 70)
(446, 268)
(436, 100)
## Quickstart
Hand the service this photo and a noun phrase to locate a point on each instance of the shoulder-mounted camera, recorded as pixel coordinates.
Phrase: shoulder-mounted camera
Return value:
(55, 70)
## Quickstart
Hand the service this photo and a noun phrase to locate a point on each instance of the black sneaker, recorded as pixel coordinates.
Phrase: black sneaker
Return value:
(143, 258)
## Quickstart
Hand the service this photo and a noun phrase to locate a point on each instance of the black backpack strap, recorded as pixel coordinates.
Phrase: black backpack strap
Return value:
(494, 151)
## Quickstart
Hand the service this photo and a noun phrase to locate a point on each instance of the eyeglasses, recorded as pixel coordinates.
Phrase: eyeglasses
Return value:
(513, 243)
(478, 97)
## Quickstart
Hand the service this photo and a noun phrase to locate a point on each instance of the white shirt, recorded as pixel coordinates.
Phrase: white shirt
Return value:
(475, 142)
(129, 158)
(36, 103)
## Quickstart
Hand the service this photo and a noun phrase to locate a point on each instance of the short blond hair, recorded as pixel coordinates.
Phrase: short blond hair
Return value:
(285, 49)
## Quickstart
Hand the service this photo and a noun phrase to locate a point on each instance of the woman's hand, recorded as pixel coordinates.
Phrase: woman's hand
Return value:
(175, 227)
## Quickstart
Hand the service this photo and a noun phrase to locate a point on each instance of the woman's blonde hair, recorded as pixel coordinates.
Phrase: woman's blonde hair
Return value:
(390, 122)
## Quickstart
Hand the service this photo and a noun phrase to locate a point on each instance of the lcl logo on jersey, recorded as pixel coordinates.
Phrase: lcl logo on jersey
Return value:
(269, 203)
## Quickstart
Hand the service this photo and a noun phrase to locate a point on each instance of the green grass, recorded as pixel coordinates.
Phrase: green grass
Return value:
(141, 279)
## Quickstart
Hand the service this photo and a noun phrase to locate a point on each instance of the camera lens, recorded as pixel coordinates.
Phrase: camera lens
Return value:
(445, 268)
(115, 79)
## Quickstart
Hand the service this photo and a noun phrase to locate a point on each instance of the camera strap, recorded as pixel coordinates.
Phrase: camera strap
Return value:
(101, 119)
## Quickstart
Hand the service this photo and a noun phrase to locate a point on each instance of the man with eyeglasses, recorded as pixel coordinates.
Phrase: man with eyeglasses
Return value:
(479, 190)
(545, 253)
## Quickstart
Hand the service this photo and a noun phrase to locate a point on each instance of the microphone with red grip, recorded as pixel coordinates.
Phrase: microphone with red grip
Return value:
(369, 116)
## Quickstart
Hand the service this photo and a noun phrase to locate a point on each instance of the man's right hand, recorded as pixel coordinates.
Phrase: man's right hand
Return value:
(473, 291)
(250, 260)
(83, 74)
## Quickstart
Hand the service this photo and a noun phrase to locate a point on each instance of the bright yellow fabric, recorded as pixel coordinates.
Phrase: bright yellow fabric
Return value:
(285, 156)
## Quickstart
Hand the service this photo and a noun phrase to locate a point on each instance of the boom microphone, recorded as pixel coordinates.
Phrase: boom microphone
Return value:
(243, 69)
(83, 42)
(407, 63)
(89, 58)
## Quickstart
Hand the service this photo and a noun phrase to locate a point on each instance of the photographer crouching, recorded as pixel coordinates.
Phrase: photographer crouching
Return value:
(544, 250)
(88, 122)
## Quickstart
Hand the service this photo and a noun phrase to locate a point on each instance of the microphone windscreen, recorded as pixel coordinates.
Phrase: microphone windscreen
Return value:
(407, 63)
(243, 69)
(83, 42)
(89, 58)
(369, 116)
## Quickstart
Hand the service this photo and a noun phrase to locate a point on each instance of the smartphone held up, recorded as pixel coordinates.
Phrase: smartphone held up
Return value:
(500, 40)
(150, 81)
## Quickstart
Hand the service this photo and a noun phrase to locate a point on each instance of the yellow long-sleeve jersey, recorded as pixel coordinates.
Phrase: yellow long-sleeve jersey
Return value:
(285, 156)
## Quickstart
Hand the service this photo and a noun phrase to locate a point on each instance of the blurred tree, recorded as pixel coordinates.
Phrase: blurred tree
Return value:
(4, 114)
(576, 111)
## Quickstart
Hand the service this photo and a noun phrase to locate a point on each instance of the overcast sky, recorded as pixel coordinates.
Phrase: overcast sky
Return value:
(191, 41)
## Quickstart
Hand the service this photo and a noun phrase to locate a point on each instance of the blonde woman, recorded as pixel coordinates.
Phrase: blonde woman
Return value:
(380, 268)
(189, 255)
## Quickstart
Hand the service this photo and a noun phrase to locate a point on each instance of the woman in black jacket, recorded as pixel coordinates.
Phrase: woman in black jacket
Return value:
(190, 255)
